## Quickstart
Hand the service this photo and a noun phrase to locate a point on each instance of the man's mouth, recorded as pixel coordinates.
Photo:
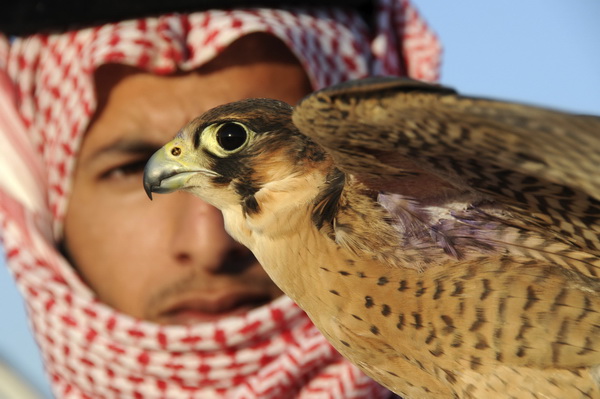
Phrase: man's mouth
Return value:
(192, 309)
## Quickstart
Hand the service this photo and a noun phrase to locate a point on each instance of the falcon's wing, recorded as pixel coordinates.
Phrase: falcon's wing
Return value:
(544, 163)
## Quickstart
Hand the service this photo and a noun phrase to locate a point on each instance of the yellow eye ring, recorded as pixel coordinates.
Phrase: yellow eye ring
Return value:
(226, 138)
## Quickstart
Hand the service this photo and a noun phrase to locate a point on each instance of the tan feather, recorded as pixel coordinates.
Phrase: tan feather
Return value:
(448, 246)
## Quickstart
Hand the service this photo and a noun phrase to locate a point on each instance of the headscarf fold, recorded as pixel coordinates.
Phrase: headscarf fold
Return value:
(47, 100)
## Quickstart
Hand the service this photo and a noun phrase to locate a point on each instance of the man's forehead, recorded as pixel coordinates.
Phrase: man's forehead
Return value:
(138, 107)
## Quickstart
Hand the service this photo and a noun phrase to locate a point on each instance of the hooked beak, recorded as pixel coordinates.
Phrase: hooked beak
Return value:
(167, 170)
(164, 173)
(171, 168)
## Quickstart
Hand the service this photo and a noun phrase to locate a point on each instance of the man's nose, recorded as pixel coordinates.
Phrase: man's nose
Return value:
(199, 238)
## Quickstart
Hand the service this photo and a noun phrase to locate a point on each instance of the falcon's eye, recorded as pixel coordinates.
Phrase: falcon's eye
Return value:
(231, 136)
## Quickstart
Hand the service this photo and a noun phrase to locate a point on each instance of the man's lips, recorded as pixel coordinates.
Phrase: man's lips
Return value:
(205, 307)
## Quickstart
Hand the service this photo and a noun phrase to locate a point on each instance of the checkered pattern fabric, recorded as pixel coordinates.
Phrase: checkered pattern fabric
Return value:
(46, 102)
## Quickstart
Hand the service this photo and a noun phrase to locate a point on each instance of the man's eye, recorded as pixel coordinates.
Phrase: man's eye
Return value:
(126, 170)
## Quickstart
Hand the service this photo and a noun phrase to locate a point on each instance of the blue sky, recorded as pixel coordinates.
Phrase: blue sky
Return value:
(544, 52)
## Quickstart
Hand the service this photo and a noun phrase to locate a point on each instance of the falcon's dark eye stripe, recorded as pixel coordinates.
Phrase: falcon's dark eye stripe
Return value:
(197, 134)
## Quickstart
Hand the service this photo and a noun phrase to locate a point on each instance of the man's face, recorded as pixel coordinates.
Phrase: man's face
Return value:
(169, 260)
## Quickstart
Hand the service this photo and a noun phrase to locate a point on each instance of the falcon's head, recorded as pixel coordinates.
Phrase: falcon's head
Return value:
(239, 157)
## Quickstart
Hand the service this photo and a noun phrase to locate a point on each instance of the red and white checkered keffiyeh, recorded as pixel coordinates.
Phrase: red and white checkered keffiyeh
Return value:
(46, 102)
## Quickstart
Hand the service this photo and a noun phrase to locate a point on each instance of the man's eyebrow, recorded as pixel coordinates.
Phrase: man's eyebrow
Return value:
(125, 146)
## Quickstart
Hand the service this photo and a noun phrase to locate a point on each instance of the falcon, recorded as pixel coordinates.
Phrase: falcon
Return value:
(448, 246)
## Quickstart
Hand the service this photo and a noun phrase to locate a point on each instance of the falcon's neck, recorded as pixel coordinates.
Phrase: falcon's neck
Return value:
(279, 206)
